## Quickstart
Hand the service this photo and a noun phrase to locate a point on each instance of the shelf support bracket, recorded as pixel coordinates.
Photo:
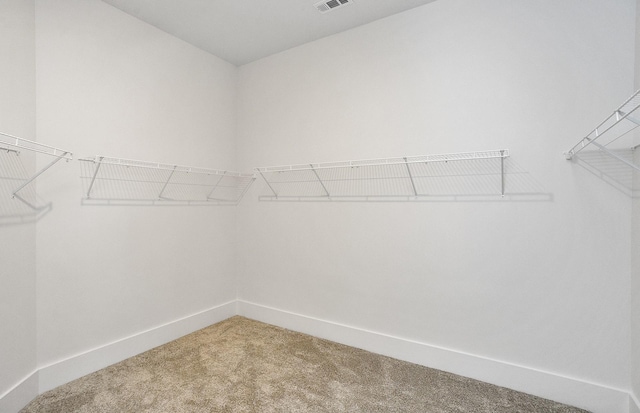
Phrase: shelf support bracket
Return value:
(216, 185)
(246, 188)
(614, 155)
(167, 183)
(502, 172)
(413, 185)
(319, 180)
(268, 184)
(93, 178)
(40, 172)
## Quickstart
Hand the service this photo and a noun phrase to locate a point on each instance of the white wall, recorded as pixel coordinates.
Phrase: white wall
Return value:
(108, 84)
(17, 242)
(635, 294)
(542, 285)
(635, 252)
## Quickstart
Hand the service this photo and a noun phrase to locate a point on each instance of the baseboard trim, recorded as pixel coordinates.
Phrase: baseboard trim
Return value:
(14, 399)
(634, 404)
(590, 396)
(74, 367)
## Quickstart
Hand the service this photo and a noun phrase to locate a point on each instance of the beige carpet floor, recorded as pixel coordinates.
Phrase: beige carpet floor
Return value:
(241, 365)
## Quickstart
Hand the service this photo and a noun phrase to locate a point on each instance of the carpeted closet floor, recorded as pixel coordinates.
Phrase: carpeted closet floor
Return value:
(240, 365)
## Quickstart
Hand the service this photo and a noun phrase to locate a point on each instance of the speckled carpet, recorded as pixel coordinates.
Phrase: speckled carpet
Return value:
(241, 365)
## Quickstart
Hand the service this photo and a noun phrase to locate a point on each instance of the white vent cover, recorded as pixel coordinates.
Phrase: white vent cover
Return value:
(326, 6)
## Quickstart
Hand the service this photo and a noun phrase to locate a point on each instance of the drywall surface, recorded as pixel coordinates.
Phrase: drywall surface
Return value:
(635, 249)
(108, 84)
(17, 242)
(635, 288)
(542, 285)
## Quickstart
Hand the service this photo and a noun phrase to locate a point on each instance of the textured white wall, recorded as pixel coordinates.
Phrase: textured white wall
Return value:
(17, 242)
(544, 285)
(108, 84)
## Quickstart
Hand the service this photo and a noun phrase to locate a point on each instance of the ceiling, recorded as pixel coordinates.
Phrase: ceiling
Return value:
(241, 31)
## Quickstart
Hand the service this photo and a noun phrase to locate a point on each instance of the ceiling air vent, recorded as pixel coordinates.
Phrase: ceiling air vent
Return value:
(327, 6)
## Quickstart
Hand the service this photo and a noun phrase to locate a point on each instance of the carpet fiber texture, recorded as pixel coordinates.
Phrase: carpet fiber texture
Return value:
(241, 365)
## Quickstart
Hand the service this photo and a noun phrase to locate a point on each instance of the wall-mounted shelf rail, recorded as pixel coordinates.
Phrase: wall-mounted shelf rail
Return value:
(404, 178)
(623, 120)
(114, 181)
(16, 181)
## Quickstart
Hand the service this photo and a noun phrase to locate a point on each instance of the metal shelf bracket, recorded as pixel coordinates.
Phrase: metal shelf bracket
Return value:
(319, 180)
(28, 145)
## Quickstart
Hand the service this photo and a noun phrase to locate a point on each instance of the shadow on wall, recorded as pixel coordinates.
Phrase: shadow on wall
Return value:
(18, 204)
(611, 170)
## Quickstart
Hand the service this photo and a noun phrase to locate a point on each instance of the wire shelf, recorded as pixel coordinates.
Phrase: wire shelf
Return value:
(17, 183)
(622, 121)
(20, 143)
(457, 174)
(113, 181)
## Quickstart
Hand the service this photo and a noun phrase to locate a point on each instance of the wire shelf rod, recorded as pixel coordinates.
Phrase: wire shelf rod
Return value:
(159, 166)
(450, 157)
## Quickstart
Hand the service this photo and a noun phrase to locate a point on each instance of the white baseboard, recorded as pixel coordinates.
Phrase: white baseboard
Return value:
(634, 404)
(20, 395)
(64, 371)
(590, 396)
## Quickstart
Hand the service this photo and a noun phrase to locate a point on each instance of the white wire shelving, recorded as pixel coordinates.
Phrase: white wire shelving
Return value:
(116, 181)
(622, 121)
(17, 183)
(453, 175)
